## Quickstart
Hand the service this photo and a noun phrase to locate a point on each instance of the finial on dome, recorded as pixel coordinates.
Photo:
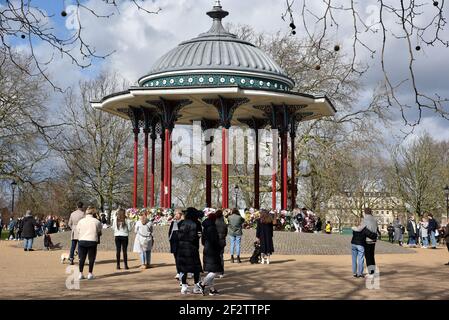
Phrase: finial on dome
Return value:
(217, 13)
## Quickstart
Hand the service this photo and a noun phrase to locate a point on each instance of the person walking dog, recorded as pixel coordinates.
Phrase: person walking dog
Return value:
(75, 217)
(89, 232)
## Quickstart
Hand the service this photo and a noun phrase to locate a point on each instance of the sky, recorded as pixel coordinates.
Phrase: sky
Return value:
(137, 39)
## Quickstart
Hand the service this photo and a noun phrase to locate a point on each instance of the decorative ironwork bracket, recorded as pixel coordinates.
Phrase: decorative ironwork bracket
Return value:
(226, 108)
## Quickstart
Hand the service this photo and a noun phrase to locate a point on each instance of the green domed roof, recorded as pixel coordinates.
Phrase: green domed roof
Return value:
(217, 58)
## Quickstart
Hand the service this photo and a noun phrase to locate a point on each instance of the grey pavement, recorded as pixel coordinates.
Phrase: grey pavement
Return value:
(290, 243)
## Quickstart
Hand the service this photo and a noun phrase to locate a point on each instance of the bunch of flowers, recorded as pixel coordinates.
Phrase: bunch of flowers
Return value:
(284, 221)
(208, 211)
(251, 217)
(309, 222)
(158, 216)
(133, 214)
(163, 217)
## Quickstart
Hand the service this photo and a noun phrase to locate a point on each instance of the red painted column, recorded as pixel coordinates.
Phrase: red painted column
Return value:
(166, 167)
(136, 155)
(257, 174)
(273, 177)
(208, 176)
(284, 171)
(293, 165)
(153, 152)
(224, 169)
(161, 201)
(170, 168)
(145, 170)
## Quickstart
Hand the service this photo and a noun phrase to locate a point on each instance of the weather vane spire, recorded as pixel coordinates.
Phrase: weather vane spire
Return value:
(217, 3)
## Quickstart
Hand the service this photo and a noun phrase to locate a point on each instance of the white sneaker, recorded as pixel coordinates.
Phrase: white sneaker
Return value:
(268, 260)
(177, 276)
(185, 289)
(81, 277)
(197, 289)
(90, 276)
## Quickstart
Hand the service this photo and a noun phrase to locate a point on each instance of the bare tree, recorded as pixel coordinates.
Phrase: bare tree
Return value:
(22, 20)
(24, 128)
(96, 146)
(416, 23)
(416, 177)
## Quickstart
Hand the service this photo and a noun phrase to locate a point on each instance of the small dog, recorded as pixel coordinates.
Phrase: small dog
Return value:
(65, 256)
(255, 257)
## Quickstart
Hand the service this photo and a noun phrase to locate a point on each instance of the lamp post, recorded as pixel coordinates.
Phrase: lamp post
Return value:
(446, 192)
(13, 187)
(236, 191)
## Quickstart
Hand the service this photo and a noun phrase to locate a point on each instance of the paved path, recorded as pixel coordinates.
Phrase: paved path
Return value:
(284, 243)
(40, 275)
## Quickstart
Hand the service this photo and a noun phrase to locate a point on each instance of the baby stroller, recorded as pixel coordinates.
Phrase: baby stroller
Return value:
(255, 258)
(48, 244)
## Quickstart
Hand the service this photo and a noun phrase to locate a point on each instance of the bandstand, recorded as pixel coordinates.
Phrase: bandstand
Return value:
(221, 81)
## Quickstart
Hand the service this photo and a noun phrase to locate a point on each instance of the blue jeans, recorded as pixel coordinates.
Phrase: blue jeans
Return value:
(433, 239)
(425, 241)
(235, 241)
(72, 249)
(357, 259)
(412, 241)
(145, 257)
(28, 243)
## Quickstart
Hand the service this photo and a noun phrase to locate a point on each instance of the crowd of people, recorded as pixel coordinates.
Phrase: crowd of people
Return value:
(364, 238)
(186, 231)
(214, 229)
(19, 228)
(426, 233)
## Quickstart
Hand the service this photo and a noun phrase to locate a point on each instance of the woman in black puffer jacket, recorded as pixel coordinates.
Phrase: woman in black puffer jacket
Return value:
(211, 254)
(187, 249)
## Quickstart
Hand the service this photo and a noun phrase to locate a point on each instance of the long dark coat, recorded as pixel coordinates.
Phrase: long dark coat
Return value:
(173, 237)
(212, 247)
(28, 225)
(187, 251)
(222, 230)
(264, 232)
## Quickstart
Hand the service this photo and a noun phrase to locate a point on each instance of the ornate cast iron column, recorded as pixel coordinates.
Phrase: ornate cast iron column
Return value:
(283, 128)
(206, 125)
(272, 116)
(226, 108)
(168, 110)
(135, 115)
(161, 132)
(148, 116)
(256, 124)
(153, 153)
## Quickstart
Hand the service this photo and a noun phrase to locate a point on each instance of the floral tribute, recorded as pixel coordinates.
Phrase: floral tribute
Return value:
(158, 216)
(284, 218)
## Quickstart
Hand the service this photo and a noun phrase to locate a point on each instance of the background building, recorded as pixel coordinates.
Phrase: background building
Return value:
(346, 209)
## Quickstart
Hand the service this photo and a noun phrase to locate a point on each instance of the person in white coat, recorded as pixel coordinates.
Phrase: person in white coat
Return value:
(143, 243)
(89, 232)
